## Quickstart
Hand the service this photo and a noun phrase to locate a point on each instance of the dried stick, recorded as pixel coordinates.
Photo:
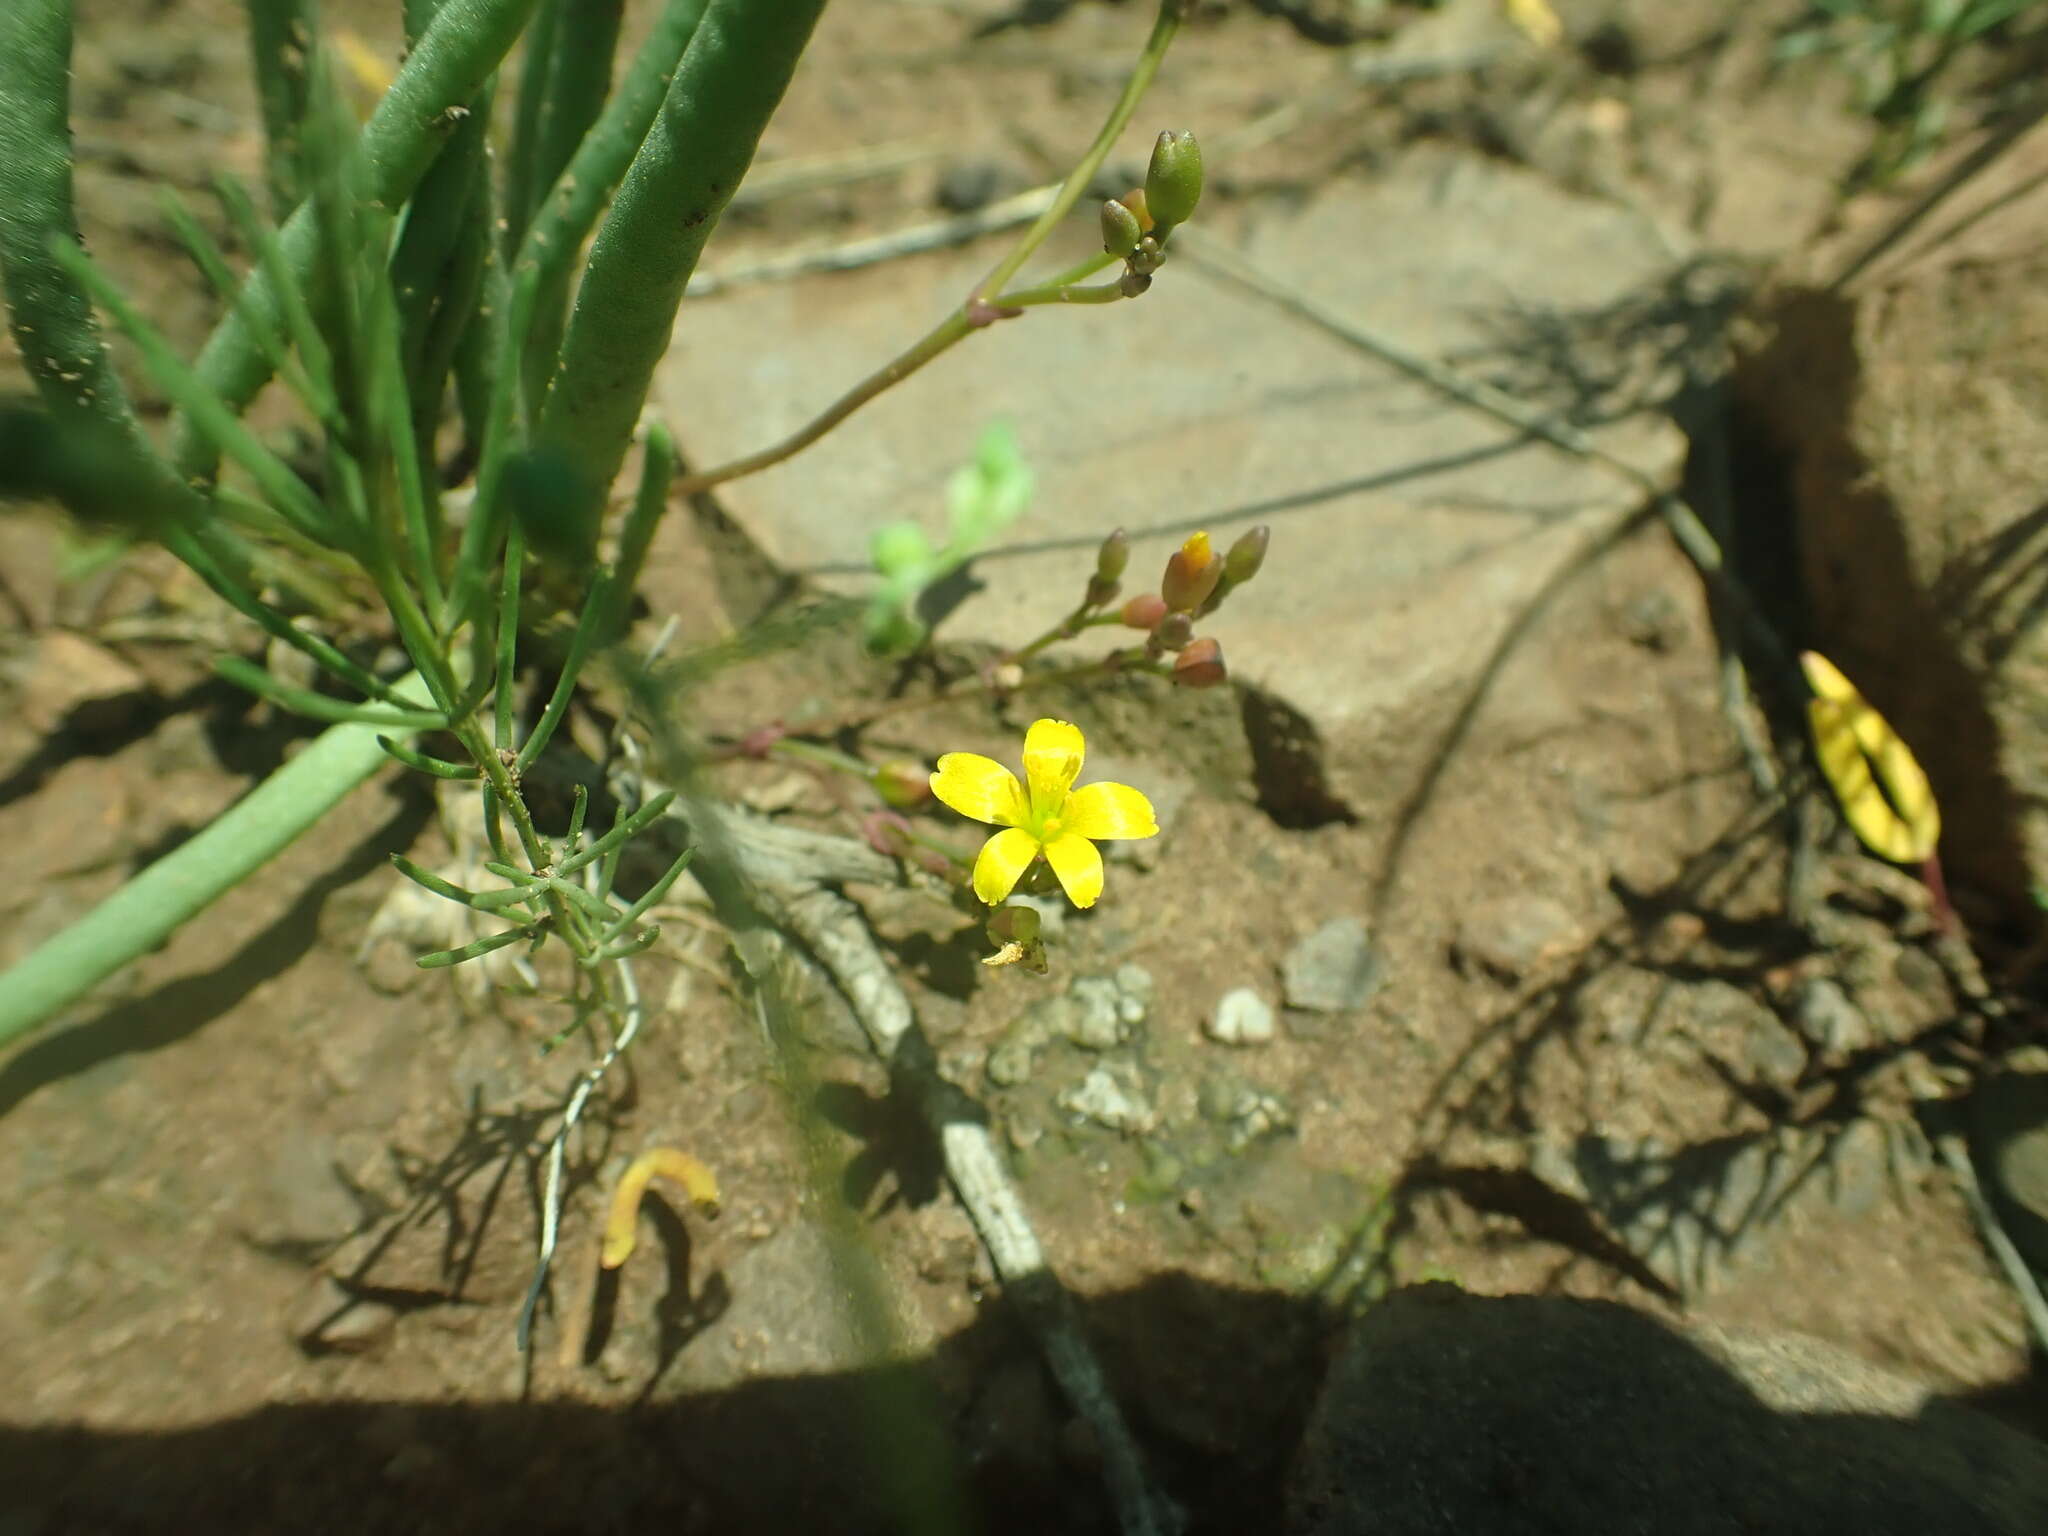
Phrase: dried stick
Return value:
(789, 872)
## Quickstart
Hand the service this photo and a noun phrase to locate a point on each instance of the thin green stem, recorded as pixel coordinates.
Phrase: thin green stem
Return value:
(1063, 293)
(949, 331)
(1163, 29)
(980, 310)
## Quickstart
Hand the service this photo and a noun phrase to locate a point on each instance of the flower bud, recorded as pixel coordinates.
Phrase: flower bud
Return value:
(1014, 925)
(1173, 632)
(1144, 611)
(1101, 593)
(1247, 555)
(1114, 555)
(902, 783)
(900, 549)
(1121, 230)
(1191, 574)
(1173, 181)
(888, 834)
(1200, 665)
(1135, 201)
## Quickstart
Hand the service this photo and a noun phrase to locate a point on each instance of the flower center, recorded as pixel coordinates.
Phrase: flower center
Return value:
(1049, 829)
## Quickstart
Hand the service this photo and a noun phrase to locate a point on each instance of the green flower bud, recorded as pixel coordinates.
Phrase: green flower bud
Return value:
(1247, 555)
(1173, 181)
(1114, 555)
(1015, 925)
(902, 783)
(1121, 230)
(900, 549)
(1173, 632)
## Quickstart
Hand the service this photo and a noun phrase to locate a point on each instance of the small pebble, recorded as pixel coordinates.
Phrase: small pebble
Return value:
(1333, 970)
(1115, 1106)
(1242, 1017)
(1507, 937)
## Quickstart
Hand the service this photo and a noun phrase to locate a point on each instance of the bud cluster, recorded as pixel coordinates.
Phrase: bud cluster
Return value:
(1136, 226)
(1195, 582)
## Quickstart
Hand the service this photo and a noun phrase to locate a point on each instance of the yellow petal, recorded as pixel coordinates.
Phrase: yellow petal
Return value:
(1107, 810)
(1900, 821)
(1002, 863)
(1052, 761)
(1079, 867)
(980, 787)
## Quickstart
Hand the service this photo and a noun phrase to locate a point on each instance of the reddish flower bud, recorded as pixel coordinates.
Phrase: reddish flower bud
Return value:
(902, 783)
(1144, 611)
(888, 834)
(1247, 555)
(1191, 575)
(1200, 665)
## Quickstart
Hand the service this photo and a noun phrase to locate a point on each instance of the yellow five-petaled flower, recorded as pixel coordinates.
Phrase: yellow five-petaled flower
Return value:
(1052, 818)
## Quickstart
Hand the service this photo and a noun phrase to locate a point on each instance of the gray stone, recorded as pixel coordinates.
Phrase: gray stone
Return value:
(1113, 1099)
(1333, 970)
(1241, 1017)
(76, 683)
(1014, 1058)
(306, 1199)
(1524, 1414)
(2009, 1145)
(1092, 1017)
(333, 1319)
(1216, 406)
(1831, 1023)
(1135, 982)
(1507, 937)
(1775, 1052)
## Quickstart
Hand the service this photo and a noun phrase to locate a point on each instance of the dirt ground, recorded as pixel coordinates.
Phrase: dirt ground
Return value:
(272, 1195)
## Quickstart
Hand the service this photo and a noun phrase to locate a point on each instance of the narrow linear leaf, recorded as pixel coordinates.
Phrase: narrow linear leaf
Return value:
(439, 767)
(316, 706)
(443, 958)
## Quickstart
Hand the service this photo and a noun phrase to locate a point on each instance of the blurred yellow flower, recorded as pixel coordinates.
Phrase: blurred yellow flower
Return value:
(1883, 790)
(1538, 22)
(1052, 818)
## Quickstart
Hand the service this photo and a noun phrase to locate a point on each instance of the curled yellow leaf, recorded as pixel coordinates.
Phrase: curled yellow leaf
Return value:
(1883, 791)
(621, 1227)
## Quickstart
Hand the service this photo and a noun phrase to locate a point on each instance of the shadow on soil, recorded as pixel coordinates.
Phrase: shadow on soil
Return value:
(1218, 1382)
(182, 1007)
